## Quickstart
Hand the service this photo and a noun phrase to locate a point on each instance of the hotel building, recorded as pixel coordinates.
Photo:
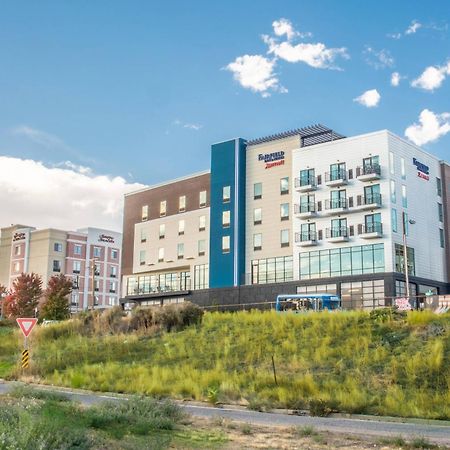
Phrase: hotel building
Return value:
(90, 257)
(307, 210)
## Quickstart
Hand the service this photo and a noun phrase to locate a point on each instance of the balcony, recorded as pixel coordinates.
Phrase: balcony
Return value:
(336, 178)
(305, 184)
(306, 239)
(370, 201)
(305, 210)
(338, 234)
(370, 230)
(368, 172)
(336, 206)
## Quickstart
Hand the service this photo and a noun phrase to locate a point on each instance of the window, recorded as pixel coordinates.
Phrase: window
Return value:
(16, 267)
(113, 273)
(162, 230)
(307, 177)
(284, 238)
(163, 208)
(391, 163)
(337, 172)
(96, 289)
(181, 225)
(114, 253)
(372, 194)
(56, 266)
(77, 249)
(112, 287)
(180, 250)
(308, 232)
(111, 301)
(371, 165)
(201, 247)
(338, 199)
(372, 223)
(405, 223)
(400, 289)
(355, 260)
(144, 213)
(74, 298)
(393, 193)
(97, 252)
(307, 203)
(202, 223)
(400, 262)
(76, 267)
(404, 198)
(57, 247)
(182, 203)
(442, 237)
(142, 257)
(226, 219)
(284, 186)
(226, 194)
(201, 276)
(272, 270)
(225, 244)
(284, 211)
(403, 168)
(161, 254)
(143, 235)
(17, 250)
(439, 187)
(363, 294)
(440, 212)
(202, 199)
(338, 228)
(257, 191)
(394, 220)
(257, 216)
(96, 269)
(257, 241)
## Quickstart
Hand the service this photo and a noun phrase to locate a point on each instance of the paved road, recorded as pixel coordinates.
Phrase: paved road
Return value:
(433, 432)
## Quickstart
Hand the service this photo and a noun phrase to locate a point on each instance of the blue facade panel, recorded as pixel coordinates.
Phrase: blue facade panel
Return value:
(227, 169)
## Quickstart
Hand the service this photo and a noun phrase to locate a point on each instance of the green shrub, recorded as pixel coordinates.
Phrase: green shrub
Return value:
(319, 407)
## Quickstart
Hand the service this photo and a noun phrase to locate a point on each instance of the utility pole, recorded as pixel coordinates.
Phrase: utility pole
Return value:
(92, 267)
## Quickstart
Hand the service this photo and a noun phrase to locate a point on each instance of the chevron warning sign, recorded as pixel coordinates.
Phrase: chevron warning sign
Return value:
(25, 359)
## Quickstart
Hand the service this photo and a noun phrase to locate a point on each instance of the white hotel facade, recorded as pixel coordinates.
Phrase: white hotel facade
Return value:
(307, 210)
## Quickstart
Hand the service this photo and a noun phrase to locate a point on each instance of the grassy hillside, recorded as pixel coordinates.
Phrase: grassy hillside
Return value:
(384, 363)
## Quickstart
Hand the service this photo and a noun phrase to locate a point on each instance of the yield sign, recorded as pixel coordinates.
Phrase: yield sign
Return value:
(26, 325)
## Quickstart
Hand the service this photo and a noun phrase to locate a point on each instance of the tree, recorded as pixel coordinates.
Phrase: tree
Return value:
(3, 292)
(24, 297)
(56, 303)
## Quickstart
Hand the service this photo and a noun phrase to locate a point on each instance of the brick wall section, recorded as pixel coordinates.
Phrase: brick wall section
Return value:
(171, 192)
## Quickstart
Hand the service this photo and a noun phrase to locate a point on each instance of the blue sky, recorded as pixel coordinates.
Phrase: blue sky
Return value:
(140, 89)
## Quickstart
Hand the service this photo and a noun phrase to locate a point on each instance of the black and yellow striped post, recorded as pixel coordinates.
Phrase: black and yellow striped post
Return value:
(25, 359)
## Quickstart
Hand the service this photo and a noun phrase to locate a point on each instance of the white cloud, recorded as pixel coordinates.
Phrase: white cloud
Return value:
(431, 127)
(284, 27)
(255, 72)
(67, 198)
(415, 25)
(378, 59)
(370, 98)
(395, 79)
(39, 137)
(315, 55)
(189, 126)
(432, 77)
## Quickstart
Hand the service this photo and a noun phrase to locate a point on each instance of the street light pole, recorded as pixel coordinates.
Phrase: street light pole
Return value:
(405, 255)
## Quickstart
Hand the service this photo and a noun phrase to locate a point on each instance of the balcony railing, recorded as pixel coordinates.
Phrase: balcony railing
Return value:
(306, 236)
(369, 199)
(368, 169)
(337, 203)
(305, 208)
(336, 175)
(305, 181)
(375, 227)
(337, 232)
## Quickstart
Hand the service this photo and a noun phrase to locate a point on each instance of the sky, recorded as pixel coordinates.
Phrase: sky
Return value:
(99, 98)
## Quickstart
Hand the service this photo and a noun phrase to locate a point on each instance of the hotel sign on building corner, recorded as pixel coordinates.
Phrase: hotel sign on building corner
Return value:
(272, 159)
(106, 238)
(423, 171)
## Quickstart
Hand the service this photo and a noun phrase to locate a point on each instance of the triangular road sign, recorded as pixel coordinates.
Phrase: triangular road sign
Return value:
(26, 325)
